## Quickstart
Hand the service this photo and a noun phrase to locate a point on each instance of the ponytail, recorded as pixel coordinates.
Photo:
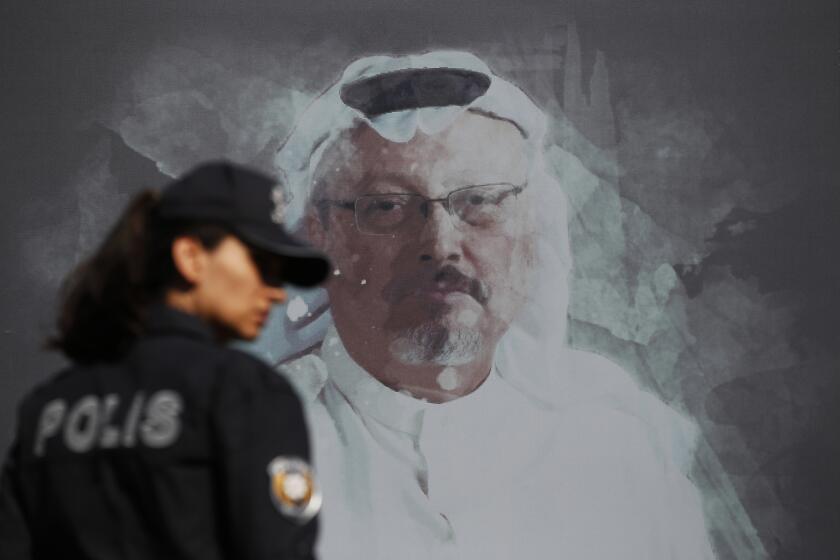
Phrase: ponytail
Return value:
(102, 300)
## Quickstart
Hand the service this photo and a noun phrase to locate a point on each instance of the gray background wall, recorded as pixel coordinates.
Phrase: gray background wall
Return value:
(704, 243)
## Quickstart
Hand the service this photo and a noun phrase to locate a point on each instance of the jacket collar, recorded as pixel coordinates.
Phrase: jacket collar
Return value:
(163, 319)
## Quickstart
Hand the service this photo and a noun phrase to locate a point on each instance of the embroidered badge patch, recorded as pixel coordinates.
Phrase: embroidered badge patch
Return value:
(293, 489)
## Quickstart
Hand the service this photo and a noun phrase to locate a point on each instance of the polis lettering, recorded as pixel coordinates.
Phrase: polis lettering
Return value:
(90, 421)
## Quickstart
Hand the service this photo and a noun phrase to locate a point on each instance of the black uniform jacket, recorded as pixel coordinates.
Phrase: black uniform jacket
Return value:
(162, 455)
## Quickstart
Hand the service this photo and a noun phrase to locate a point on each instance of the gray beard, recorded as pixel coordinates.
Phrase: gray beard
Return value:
(432, 343)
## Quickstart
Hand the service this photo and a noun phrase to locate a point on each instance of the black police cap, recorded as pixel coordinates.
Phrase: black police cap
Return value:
(242, 200)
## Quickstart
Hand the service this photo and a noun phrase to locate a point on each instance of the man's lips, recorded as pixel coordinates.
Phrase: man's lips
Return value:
(445, 295)
(444, 288)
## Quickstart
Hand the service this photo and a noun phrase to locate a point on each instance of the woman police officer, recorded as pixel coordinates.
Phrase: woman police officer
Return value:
(158, 441)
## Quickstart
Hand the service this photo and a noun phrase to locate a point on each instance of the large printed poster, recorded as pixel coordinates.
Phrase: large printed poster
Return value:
(583, 301)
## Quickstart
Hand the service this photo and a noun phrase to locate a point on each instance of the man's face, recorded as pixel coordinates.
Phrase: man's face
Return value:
(438, 290)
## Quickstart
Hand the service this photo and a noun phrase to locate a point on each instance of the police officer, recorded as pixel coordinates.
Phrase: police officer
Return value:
(158, 441)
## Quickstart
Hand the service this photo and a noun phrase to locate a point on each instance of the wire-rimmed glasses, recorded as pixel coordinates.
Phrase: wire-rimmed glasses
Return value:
(397, 213)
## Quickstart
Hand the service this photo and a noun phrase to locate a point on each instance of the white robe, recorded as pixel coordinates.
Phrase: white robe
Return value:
(497, 474)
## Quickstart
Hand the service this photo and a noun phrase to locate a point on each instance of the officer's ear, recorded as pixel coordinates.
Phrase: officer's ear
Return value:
(190, 258)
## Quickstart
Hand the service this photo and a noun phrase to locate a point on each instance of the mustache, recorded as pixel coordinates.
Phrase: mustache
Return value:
(447, 277)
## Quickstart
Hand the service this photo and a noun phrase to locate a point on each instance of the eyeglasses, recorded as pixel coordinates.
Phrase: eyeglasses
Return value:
(398, 213)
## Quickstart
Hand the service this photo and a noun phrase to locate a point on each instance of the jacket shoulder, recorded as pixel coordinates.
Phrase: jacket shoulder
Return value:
(251, 372)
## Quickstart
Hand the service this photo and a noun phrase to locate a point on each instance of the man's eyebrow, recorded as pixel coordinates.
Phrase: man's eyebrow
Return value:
(370, 180)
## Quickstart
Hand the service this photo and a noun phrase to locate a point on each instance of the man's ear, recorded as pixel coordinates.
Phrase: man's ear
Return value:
(190, 258)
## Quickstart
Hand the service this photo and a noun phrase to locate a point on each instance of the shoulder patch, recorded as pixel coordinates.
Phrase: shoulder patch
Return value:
(293, 489)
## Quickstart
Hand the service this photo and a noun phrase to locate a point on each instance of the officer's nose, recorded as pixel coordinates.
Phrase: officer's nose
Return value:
(440, 239)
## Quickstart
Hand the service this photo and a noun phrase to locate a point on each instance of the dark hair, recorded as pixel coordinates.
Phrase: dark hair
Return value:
(103, 300)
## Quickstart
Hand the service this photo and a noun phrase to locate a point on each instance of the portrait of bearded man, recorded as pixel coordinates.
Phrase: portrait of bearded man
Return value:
(450, 419)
